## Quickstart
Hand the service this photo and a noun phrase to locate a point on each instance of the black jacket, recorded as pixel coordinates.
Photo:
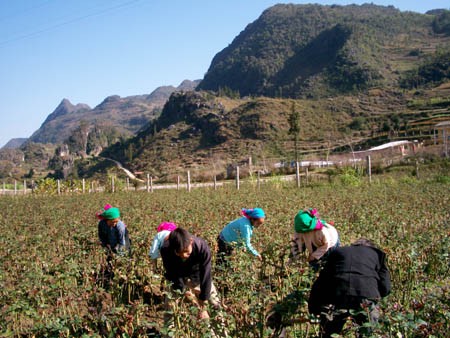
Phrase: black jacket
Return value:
(352, 272)
(197, 267)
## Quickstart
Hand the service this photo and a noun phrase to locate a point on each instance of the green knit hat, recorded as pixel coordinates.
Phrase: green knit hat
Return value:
(304, 221)
(111, 213)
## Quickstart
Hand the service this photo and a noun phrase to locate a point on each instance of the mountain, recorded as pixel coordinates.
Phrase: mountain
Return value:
(296, 51)
(14, 143)
(351, 76)
(66, 108)
(197, 129)
(125, 115)
(356, 75)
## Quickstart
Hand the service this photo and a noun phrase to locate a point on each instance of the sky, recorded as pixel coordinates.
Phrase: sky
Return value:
(87, 50)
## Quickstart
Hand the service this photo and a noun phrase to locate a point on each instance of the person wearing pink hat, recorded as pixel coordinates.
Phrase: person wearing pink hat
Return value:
(163, 231)
(315, 235)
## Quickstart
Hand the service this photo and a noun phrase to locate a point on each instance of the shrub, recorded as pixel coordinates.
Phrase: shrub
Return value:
(350, 177)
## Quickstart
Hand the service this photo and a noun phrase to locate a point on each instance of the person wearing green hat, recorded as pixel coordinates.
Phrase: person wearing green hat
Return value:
(112, 232)
(315, 235)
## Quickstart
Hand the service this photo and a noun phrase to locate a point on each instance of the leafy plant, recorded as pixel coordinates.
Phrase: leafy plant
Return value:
(55, 278)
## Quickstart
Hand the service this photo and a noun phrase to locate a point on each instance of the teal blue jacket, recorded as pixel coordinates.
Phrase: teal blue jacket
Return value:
(240, 232)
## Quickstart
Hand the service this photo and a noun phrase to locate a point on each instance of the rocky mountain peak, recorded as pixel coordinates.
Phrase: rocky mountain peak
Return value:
(64, 108)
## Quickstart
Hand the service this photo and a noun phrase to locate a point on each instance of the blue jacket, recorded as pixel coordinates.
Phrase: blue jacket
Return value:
(114, 237)
(240, 232)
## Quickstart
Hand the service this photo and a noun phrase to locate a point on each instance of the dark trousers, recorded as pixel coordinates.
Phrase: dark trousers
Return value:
(224, 251)
(332, 320)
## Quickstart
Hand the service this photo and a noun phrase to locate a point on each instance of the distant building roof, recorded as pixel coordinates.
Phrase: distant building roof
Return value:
(443, 124)
(390, 145)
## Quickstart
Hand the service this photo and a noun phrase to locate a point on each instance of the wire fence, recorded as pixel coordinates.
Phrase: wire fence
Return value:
(300, 173)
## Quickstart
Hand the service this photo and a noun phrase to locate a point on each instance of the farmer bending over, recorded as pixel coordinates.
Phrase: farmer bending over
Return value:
(315, 235)
(162, 234)
(354, 278)
(112, 232)
(238, 233)
(187, 263)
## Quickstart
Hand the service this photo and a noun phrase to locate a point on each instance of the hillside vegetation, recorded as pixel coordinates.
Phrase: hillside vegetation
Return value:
(356, 76)
(201, 130)
(313, 51)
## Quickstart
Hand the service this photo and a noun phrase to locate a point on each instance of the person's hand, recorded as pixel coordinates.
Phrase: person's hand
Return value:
(191, 297)
(259, 258)
(203, 314)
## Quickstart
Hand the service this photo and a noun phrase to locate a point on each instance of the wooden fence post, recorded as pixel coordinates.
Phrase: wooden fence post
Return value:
(128, 184)
(58, 182)
(188, 181)
(297, 173)
(24, 187)
(32, 186)
(445, 137)
(15, 187)
(369, 168)
(215, 182)
(237, 178)
(178, 182)
(112, 184)
(151, 183)
(148, 182)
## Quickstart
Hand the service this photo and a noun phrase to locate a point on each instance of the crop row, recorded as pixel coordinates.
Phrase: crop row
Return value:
(52, 278)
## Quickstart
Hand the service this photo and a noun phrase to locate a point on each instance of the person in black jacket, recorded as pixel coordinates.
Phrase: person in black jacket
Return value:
(187, 264)
(354, 278)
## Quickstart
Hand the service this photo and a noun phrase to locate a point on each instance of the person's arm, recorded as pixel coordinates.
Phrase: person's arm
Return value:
(205, 271)
(121, 237)
(384, 283)
(120, 227)
(322, 249)
(322, 288)
(171, 269)
(245, 234)
(297, 247)
(102, 235)
(154, 249)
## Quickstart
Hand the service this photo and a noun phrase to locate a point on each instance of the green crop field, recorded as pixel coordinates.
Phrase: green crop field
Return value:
(51, 264)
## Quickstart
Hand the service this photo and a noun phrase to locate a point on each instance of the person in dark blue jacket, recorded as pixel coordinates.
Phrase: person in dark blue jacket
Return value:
(355, 277)
(112, 232)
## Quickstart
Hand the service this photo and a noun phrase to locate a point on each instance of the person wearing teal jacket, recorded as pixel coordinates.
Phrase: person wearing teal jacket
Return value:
(238, 233)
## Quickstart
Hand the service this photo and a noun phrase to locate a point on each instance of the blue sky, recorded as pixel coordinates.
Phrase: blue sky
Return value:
(86, 50)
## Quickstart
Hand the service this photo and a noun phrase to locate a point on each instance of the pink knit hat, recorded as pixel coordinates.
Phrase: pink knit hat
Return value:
(166, 226)
(315, 213)
(106, 207)
(319, 225)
